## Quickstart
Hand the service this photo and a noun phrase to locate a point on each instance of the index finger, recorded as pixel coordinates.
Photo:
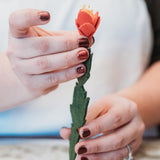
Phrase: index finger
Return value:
(113, 119)
(21, 20)
(38, 46)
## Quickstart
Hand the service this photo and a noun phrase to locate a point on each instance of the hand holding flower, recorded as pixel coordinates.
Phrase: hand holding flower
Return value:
(118, 121)
(42, 60)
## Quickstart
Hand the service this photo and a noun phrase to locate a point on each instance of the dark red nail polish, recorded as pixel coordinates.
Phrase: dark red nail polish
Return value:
(86, 133)
(84, 42)
(82, 150)
(44, 16)
(84, 158)
(81, 70)
(82, 55)
(93, 40)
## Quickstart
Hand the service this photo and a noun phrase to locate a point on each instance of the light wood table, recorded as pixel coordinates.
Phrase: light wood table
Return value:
(58, 150)
(150, 150)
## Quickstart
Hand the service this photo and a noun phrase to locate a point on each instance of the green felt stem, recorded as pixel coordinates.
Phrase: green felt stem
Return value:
(79, 108)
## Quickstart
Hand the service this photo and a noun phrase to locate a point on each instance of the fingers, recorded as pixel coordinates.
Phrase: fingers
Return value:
(38, 46)
(113, 155)
(39, 83)
(111, 142)
(65, 133)
(53, 62)
(114, 118)
(21, 20)
(40, 32)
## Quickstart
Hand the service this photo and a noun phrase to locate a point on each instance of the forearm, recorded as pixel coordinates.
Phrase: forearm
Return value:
(146, 93)
(12, 91)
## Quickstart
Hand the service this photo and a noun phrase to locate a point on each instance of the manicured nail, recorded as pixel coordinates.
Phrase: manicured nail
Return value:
(44, 16)
(86, 133)
(81, 70)
(84, 158)
(84, 42)
(82, 150)
(82, 55)
(93, 40)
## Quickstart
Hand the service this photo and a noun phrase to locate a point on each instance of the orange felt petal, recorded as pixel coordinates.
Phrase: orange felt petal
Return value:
(76, 23)
(95, 18)
(98, 22)
(87, 29)
(84, 17)
(80, 32)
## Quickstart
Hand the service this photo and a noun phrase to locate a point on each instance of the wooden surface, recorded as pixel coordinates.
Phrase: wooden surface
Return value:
(58, 150)
(150, 150)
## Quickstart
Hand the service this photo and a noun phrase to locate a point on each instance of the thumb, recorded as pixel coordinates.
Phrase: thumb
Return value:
(21, 20)
(98, 108)
(65, 133)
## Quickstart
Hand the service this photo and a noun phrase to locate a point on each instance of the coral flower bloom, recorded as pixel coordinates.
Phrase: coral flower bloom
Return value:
(87, 22)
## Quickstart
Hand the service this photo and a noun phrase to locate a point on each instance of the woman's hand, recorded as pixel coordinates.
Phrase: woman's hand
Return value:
(117, 122)
(42, 59)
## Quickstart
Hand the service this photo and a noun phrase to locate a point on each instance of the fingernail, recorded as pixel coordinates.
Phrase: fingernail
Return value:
(84, 158)
(84, 42)
(93, 40)
(81, 70)
(86, 133)
(44, 16)
(83, 55)
(82, 150)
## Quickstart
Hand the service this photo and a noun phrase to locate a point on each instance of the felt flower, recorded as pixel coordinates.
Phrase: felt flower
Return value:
(87, 22)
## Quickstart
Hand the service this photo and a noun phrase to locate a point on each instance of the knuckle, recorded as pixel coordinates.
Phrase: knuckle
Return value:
(98, 128)
(119, 142)
(52, 79)
(15, 67)
(142, 128)
(69, 44)
(31, 84)
(28, 82)
(134, 107)
(69, 76)
(43, 45)
(68, 60)
(9, 53)
(42, 63)
(117, 120)
(97, 148)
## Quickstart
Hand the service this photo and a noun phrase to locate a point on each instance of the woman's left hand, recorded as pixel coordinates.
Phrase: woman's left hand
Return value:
(117, 122)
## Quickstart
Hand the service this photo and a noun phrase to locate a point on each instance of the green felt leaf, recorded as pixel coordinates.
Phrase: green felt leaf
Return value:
(74, 138)
(79, 107)
(82, 80)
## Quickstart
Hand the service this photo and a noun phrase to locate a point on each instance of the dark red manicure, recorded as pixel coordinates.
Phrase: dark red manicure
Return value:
(44, 16)
(93, 40)
(86, 133)
(82, 55)
(84, 158)
(82, 150)
(81, 70)
(84, 42)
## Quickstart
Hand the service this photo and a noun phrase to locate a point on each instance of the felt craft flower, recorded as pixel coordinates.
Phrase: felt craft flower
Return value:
(87, 22)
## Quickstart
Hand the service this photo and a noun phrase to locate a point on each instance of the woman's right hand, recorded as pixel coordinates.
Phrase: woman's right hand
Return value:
(41, 59)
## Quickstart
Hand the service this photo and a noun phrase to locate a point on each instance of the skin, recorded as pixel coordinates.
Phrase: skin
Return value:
(35, 64)
(121, 118)
(36, 61)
